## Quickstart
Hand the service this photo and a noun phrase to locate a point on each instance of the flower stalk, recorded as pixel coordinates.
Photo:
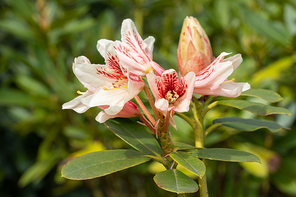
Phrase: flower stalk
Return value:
(197, 108)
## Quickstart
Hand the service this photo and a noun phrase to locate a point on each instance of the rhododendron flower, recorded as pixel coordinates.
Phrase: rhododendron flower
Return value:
(213, 79)
(107, 85)
(194, 52)
(129, 110)
(171, 93)
(134, 53)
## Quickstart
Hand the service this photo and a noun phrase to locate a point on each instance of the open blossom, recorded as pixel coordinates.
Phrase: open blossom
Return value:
(107, 85)
(129, 110)
(213, 79)
(171, 93)
(134, 53)
(194, 52)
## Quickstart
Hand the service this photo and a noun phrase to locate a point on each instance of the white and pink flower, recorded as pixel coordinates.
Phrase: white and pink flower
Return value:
(134, 53)
(107, 85)
(171, 93)
(213, 79)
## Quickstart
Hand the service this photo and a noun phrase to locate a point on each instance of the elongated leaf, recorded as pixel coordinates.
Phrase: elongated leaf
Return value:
(255, 108)
(15, 97)
(190, 162)
(175, 181)
(135, 135)
(267, 95)
(248, 124)
(225, 154)
(101, 163)
(267, 28)
(183, 146)
(273, 71)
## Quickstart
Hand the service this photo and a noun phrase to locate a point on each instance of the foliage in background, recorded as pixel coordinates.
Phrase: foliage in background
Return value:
(39, 40)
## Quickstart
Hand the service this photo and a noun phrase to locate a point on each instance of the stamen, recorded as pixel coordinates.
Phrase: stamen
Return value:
(171, 96)
(79, 92)
(115, 87)
(228, 81)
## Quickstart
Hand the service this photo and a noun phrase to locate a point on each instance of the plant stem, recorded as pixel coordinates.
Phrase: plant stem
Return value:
(164, 136)
(212, 128)
(151, 102)
(181, 195)
(199, 133)
(146, 112)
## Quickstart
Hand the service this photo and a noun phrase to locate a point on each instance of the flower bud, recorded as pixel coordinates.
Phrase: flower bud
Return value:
(129, 110)
(194, 52)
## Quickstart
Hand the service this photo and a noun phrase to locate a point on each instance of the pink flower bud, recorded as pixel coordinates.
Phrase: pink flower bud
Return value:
(129, 110)
(194, 52)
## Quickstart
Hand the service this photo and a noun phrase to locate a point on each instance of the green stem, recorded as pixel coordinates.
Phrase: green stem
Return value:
(182, 195)
(209, 107)
(212, 128)
(199, 133)
(187, 119)
(164, 137)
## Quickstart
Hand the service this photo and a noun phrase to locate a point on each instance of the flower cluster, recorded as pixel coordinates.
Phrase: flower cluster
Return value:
(113, 85)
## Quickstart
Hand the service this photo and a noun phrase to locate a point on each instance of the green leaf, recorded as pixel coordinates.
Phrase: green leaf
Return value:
(285, 182)
(101, 163)
(274, 70)
(135, 135)
(190, 162)
(255, 108)
(183, 146)
(266, 95)
(225, 154)
(290, 18)
(248, 124)
(14, 97)
(32, 86)
(37, 171)
(175, 181)
(267, 28)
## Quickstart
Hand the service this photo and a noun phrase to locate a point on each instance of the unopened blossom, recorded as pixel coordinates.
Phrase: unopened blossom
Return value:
(171, 93)
(129, 110)
(107, 85)
(213, 79)
(134, 53)
(194, 52)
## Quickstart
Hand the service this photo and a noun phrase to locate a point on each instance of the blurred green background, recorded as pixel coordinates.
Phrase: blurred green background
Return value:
(39, 40)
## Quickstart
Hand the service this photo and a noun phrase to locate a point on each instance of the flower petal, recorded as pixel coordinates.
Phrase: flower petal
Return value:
(162, 105)
(87, 73)
(151, 78)
(132, 40)
(114, 98)
(230, 89)
(149, 50)
(214, 74)
(135, 85)
(76, 104)
(103, 45)
(182, 104)
(129, 110)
